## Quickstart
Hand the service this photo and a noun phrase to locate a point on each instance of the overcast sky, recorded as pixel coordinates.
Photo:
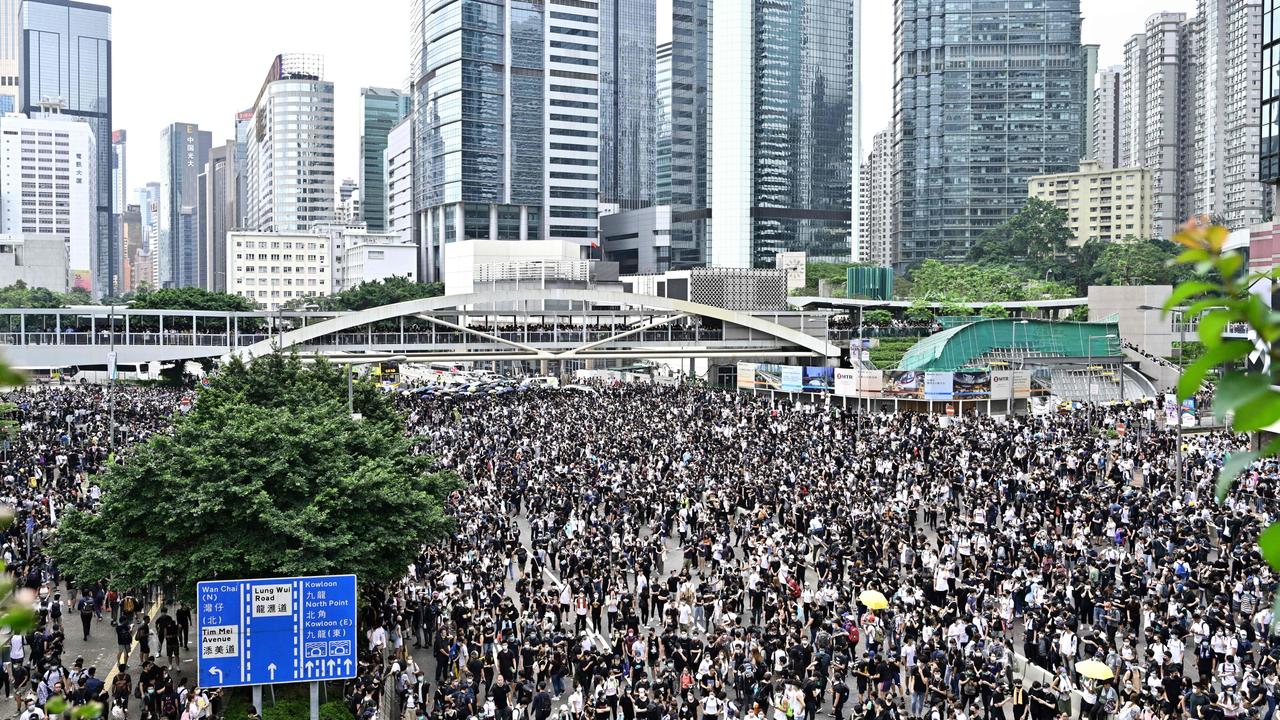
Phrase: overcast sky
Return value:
(202, 61)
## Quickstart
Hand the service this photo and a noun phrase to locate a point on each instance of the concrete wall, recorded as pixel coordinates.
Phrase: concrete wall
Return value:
(1145, 328)
(37, 260)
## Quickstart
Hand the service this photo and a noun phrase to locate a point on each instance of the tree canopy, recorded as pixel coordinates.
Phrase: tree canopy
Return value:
(376, 293)
(189, 298)
(1035, 237)
(19, 295)
(1136, 262)
(266, 476)
(973, 282)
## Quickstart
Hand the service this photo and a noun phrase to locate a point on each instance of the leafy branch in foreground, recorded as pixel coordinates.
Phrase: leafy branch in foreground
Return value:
(1218, 297)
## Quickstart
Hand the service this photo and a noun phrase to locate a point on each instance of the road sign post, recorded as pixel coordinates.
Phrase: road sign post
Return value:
(276, 630)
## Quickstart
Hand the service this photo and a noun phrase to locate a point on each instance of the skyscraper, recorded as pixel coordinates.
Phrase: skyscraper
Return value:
(1156, 115)
(627, 170)
(383, 109)
(118, 176)
(291, 191)
(1269, 114)
(686, 154)
(987, 93)
(662, 126)
(178, 256)
(1104, 123)
(784, 152)
(875, 210)
(9, 55)
(1227, 63)
(219, 211)
(149, 207)
(506, 133)
(65, 67)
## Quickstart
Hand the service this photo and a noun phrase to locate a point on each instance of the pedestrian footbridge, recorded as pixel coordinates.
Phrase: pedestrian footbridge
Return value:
(527, 325)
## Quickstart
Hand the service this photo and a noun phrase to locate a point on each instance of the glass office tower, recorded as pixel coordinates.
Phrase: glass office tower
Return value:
(1269, 167)
(782, 156)
(65, 68)
(506, 122)
(987, 93)
(383, 109)
(627, 135)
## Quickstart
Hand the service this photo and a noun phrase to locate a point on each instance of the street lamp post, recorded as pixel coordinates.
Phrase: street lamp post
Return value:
(1177, 411)
(111, 376)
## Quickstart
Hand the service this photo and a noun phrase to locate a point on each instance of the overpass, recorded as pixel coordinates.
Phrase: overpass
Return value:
(523, 325)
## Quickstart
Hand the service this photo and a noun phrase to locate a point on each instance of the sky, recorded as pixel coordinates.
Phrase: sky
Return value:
(201, 61)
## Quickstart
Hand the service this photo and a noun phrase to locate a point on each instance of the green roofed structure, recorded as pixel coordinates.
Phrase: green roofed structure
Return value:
(982, 343)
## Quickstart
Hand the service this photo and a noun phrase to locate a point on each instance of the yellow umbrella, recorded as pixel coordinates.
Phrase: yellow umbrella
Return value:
(873, 599)
(1094, 670)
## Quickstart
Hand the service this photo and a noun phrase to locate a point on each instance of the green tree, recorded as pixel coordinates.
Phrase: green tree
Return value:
(1134, 262)
(377, 293)
(1220, 295)
(190, 298)
(266, 476)
(919, 312)
(994, 312)
(1034, 237)
(877, 318)
(20, 295)
(955, 309)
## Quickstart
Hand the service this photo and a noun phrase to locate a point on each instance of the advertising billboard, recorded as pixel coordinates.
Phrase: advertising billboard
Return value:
(972, 384)
(904, 383)
(937, 385)
(845, 381)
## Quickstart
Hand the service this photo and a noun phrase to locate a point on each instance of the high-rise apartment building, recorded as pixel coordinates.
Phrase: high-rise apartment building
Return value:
(986, 95)
(1089, 65)
(784, 155)
(1104, 114)
(383, 109)
(1269, 115)
(1227, 63)
(64, 67)
(627, 86)
(874, 239)
(506, 122)
(289, 172)
(48, 186)
(1190, 92)
(186, 150)
(1157, 92)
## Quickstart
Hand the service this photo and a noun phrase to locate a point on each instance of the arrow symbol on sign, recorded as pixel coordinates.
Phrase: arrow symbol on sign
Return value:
(271, 669)
(330, 667)
(218, 672)
(346, 665)
(309, 667)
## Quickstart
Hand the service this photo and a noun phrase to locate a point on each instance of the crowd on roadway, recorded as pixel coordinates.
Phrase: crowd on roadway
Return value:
(666, 553)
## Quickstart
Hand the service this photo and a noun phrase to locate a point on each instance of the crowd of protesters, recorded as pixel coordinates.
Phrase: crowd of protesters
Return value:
(665, 553)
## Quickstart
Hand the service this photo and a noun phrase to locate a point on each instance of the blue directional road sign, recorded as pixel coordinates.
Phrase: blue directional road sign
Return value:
(276, 630)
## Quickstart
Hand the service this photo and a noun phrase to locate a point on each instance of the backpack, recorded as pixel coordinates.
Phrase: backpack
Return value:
(167, 707)
(129, 604)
